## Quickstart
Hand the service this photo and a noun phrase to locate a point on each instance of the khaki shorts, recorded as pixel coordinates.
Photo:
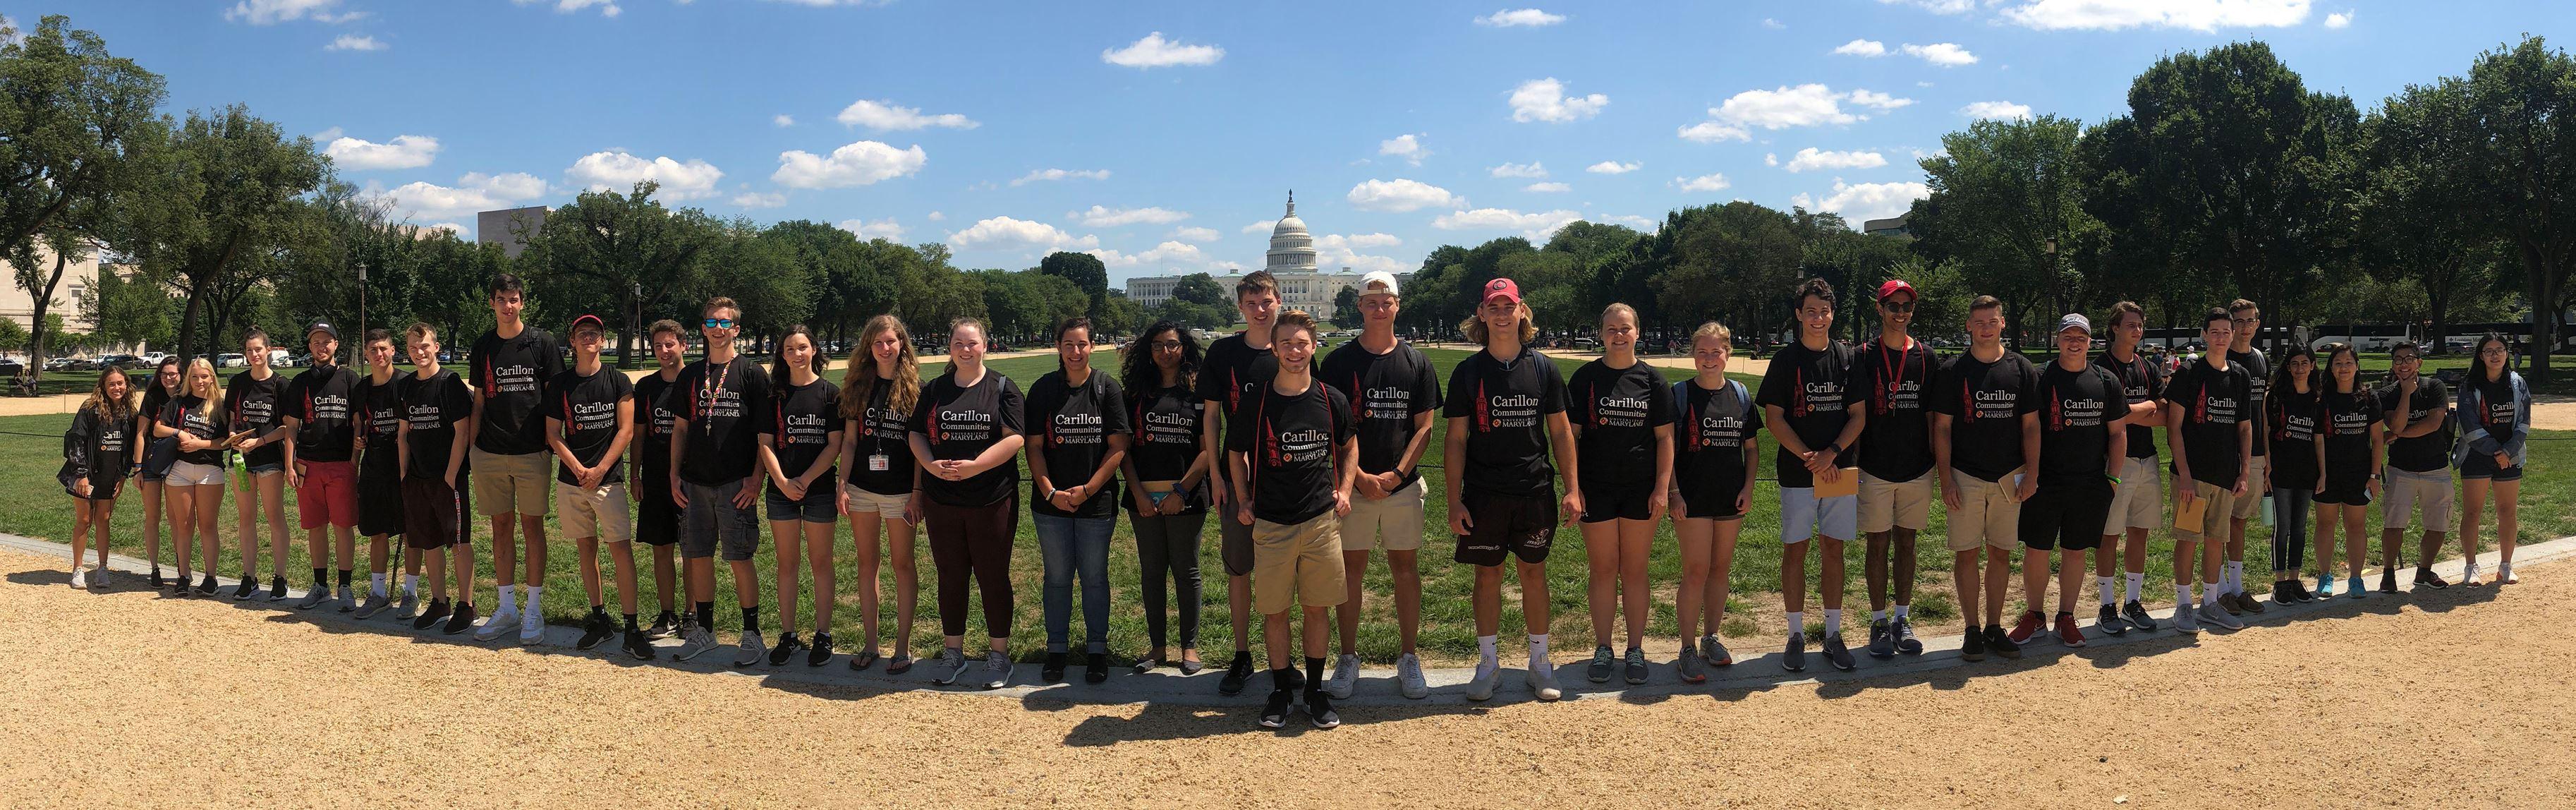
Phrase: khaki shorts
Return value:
(510, 484)
(2213, 521)
(1886, 505)
(2251, 506)
(864, 502)
(599, 513)
(2138, 502)
(2405, 492)
(1394, 521)
(1296, 563)
(1987, 514)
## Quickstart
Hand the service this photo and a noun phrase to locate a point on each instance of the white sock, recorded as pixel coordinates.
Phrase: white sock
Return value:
(533, 591)
(376, 585)
(2110, 594)
(1797, 623)
(1877, 616)
(2209, 595)
(2182, 594)
(411, 584)
(1903, 609)
(1485, 654)
(1538, 647)
(2136, 584)
(2236, 577)
(1833, 622)
(507, 605)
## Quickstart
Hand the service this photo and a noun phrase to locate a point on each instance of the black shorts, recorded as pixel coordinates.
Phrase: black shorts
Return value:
(657, 520)
(2349, 489)
(1602, 502)
(380, 503)
(1501, 526)
(434, 515)
(2066, 514)
(1710, 499)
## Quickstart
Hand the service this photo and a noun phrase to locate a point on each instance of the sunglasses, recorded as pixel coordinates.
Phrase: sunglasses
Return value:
(1896, 306)
(719, 323)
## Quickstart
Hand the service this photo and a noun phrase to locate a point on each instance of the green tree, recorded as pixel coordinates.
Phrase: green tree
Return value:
(1735, 263)
(626, 248)
(2521, 127)
(1085, 271)
(227, 197)
(78, 129)
(2007, 205)
(2422, 227)
(1346, 308)
(134, 313)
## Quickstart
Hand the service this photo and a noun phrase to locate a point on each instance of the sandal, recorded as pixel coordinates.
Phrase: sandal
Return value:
(899, 665)
(865, 658)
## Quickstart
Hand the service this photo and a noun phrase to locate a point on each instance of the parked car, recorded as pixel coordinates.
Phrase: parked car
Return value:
(12, 368)
(153, 358)
(123, 361)
(231, 360)
(58, 364)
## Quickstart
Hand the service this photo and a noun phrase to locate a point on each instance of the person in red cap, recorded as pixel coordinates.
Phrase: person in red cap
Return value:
(590, 419)
(1506, 412)
(1892, 374)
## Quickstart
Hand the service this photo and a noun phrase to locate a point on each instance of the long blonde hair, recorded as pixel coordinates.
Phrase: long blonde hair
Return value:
(859, 379)
(214, 388)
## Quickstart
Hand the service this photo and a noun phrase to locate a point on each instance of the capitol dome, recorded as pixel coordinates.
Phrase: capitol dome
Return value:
(1292, 249)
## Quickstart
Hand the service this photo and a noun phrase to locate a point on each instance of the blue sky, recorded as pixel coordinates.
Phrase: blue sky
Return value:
(1163, 136)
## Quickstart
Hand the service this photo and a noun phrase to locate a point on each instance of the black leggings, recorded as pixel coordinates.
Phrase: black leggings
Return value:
(1170, 543)
(973, 540)
(2290, 511)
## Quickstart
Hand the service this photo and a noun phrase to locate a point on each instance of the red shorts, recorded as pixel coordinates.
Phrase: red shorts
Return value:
(329, 494)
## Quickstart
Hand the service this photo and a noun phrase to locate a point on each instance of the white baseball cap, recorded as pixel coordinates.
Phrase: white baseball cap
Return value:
(1373, 280)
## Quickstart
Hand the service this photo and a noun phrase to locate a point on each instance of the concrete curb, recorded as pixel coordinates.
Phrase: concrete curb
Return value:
(1377, 687)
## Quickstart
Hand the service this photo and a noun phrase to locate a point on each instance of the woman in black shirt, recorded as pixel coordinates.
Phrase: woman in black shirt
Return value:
(800, 443)
(2350, 440)
(1167, 468)
(157, 393)
(1623, 436)
(97, 455)
(1712, 482)
(878, 393)
(965, 434)
(2290, 413)
(255, 402)
(1078, 427)
(196, 480)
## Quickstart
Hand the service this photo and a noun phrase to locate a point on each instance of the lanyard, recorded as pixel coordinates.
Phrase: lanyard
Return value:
(708, 388)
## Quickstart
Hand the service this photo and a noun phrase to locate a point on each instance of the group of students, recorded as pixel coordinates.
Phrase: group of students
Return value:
(1310, 465)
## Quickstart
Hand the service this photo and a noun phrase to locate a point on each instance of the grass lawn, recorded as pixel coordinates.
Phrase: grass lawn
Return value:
(31, 446)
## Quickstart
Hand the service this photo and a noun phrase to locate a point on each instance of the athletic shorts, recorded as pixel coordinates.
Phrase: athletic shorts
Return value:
(863, 502)
(1606, 502)
(820, 505)
(2213, 520)
(1710, 500)
(2483, 466)
(1503, 526)
(190, 474)
(1393, 522)
(1987, 515)
(712, 521)
(2409, 491)
(1234, 543)
(1297, 563)
(2139, 501)
(598, 512)
(380, 503)
(516, 484)
(329, 495)
(434, 513)
(1803, 515)
(1889, 505)
(2251, 506)
(657, 519)
(2346, 489)
(2062, 514)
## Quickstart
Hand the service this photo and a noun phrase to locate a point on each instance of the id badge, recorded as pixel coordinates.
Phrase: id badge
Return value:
(878, 462)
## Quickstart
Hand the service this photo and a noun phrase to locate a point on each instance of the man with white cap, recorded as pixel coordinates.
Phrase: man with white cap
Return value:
(1394, 391)
(2082, 450)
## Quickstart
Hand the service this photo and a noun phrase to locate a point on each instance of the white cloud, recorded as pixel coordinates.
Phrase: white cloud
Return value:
(619, 170)
(1009, 232)
(1154, 51)
(2196, 15)
(1637, 222)
(1263, 226)
(1881, 102)
(2001, 110)
(1773, 24)
(859, 163)
(1195, 233)
(472, 192)
(429, 230)
(1401, 195)
(1810, 159)
(783, 120)
(886, 115)
(1940, 6)
(1771, 159)
(1545, 100)
(348, 42)
(1370, 239)
(1941, 54)
(1061, 174)
(1531, 170)
(1408, 147)
(1866, 201)
(324, 136)
(403, 152)
(607, 8)
(1337, 250)
(1103, 217)
(2339, 19)
(272, 12)
(758, 199)
(1547, 188)
(1804, 105)
(1528, 17)
(1167, 253)
(1536, 224)
(1863, 47)
(880, 229)
(1712, 132)
(936, 216)
(1613, 167)
(1705, 182)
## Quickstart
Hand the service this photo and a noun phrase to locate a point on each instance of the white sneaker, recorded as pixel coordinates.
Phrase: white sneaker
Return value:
(1408, 677)
(1542, 679)
(532, 628)
(694, 641)
(753, 650)
(1346, 676)
(497, 624)
(1488, 676)
(2219, 617)
(80, 578)
(2183, 621)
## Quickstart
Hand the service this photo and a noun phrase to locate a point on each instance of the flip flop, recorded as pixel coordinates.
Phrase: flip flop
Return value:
(899, 666)
(864, 659)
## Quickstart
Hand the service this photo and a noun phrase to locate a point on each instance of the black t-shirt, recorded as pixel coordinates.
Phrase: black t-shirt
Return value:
(2076, 409)
(1234, 373)
(2497, 408)
(2430, 452)
(2292, 418)
(800, 420)
(1071, 426)
(1813, 389)
(723, 405)
(587, 407)
(1386, 391)
(323, 399)
(154, 399)
(2212, 403)
(1985, 402)
(1708, 439)
(100, 450)
(209, 424)
(883, 440)
(511, 374)
(2347, 419)
(1506, 404)
(1615, 413)
(1289, 450)
(380, 409)
(2258, 371)
(655, 410)
(2143, 381)
(961, 422)
(1896, 443)
(258, 405)
(1163, 437)
(434, 406)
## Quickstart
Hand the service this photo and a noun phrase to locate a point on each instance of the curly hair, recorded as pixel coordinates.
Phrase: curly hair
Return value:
(1136, 370)
(859, 380)
(111, 409)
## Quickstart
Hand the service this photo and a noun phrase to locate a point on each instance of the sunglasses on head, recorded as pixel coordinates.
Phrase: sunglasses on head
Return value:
(720, 323)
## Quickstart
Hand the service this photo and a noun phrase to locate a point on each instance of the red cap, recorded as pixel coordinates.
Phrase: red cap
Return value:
(588, 319)
(1501, 288)
(1894, 286)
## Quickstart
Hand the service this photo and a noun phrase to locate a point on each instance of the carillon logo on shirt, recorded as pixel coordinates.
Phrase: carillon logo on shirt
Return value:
(1996, 404)
(1510, 411)
(1717, 430)
(326, 406)
(962, 426)
(1385, 402)
(1300, 447)
(1819, 395)
(1074, 428)
(2218, 410)
(590, 415)
(509, 380)
(2067, 412)
(1618, 411)
(1160, 427)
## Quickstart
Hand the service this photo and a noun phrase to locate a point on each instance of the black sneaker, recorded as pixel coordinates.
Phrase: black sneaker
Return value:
(277, 589)
(1236, 674)
(1319, 708)
(822, 652)
(1053, 670)
(1274, 713)
(664, 626)
(1095, 668)
(2388, 580)
(2423, 577)
(638, 646)
(2300, 588)
(251, 586)
(2000, 644)
(207, 586)
(1836, 655)
(595, 629)
(459, 621)
(1902, 629)
(1882, 639)
(2110, 622)
(1794, 659)
(1972, 647)
(2137, 616)
(431, 616)
(156, 577)
(1602, 661)
(788, 647)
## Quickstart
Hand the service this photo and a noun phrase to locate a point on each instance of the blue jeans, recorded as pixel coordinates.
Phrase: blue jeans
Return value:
(1070, 546)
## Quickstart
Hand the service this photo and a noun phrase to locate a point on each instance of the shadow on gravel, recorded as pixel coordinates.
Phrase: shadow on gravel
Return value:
(47, 576)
